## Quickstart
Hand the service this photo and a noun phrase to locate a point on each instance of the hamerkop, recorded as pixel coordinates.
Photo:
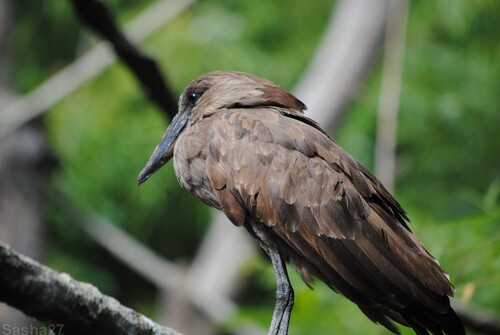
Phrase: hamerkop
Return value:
(242, 145)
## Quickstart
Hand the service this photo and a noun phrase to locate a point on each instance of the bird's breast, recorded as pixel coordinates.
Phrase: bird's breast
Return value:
(190, 155)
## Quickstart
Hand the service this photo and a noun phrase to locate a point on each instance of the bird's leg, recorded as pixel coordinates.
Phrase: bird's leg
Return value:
(284, 290)
(284, 294)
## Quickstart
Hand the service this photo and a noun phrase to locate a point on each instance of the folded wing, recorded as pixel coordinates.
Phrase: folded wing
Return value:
(330, 216)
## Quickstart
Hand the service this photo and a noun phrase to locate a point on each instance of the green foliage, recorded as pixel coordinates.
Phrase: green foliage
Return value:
(47, 36)
(449, 106)
(34, 55)
(244, 36)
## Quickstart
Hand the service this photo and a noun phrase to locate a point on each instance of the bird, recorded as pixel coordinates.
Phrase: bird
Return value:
(241, 143)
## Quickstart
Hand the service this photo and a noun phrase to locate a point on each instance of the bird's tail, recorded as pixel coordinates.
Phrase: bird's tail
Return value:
(422, 321)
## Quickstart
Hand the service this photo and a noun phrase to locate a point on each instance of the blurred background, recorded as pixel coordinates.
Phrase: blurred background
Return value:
(75, 134)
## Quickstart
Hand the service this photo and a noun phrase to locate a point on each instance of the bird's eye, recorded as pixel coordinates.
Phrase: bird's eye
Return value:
(193, 97)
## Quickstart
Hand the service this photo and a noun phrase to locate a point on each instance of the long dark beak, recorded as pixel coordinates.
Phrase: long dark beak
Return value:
(165, 150)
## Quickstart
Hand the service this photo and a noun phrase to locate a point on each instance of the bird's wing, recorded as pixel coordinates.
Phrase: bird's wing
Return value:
(332, 215)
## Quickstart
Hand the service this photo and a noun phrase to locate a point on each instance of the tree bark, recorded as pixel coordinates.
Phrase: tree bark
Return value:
(65, 304)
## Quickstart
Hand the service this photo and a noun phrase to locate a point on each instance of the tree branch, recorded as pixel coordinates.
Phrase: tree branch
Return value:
(97, 16)
(349, 46)
(390, 93)
(56, 298)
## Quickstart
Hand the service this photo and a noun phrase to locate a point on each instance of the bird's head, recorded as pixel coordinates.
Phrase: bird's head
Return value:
(214, 92)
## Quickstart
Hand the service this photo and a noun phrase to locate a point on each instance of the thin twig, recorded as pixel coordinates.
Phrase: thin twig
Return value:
(97, 16)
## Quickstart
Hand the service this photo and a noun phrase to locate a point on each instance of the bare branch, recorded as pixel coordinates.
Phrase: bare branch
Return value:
(347, 51)
(56, 298)
(97, 16)
(388, 107)
(218, 261)
(210, 296)
(138, 257)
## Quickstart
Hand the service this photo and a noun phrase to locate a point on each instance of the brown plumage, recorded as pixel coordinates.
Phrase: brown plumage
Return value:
(241, 144)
